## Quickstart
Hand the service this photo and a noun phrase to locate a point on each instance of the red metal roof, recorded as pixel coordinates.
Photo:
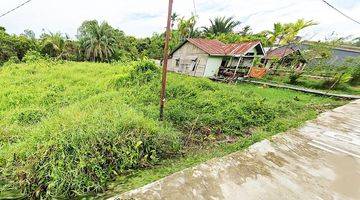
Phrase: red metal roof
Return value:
(239, 48)
(279, 52)
(212, 47)
(215, 47)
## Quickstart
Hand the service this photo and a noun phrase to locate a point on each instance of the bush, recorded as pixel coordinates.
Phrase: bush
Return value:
(294, 76)
(336, 80)
(82, 152)
(144, 71)
(355, 76)
(140, 72)
(12, 60)
(32, 56)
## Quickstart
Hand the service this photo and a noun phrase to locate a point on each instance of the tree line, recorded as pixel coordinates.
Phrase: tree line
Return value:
(100, 42)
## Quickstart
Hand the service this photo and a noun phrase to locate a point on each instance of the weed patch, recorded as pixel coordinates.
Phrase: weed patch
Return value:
(70, 129)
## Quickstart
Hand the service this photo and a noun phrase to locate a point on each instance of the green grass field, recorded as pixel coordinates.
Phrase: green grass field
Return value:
(74, 129)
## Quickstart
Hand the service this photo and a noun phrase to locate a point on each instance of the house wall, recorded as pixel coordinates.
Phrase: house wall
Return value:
(212, 66)
(186, 54)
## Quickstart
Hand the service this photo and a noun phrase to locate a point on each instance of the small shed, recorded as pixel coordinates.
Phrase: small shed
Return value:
(204, 57)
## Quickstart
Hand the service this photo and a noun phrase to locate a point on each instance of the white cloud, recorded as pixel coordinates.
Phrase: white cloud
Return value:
(143, 17)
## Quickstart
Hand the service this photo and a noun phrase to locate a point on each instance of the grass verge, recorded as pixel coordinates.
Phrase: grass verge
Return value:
(70, 129)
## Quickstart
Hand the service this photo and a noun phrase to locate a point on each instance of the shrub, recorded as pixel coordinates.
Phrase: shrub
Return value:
(336, 80)
(12, 60)
(140, 72)
(294, 76)
(355, 76)
(144, 71)
(86, 146)
(32, 56)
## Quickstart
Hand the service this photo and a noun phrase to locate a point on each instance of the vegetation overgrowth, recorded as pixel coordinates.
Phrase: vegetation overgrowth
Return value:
(69, 128)
(100, 42)
(344, 78)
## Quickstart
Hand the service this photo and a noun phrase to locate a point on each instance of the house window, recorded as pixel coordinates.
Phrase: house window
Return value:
(177, 62)
(223, 63)
(193, 64)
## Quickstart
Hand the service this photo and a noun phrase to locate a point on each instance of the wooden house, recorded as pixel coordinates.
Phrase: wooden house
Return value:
(207, 58)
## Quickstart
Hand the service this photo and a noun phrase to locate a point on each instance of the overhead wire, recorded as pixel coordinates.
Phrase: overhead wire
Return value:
(342, 13)
(17, 7)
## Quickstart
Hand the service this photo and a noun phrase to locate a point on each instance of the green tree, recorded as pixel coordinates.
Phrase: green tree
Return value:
(52, 44)
(97, 41)
(286, 33)
(12, 46)
(238, 38)
(293, 29)
(276, 34)
(186, 27)
(174, 18)
(29, 34)
(221, 25)
(6, 50)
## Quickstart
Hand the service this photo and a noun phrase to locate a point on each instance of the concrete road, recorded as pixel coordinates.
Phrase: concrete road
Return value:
(321, 160)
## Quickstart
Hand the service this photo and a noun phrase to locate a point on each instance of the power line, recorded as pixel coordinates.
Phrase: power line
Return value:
(347, 16)
(17, 7)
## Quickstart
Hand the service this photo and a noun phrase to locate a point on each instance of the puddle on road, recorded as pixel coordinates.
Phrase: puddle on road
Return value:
(347, 181)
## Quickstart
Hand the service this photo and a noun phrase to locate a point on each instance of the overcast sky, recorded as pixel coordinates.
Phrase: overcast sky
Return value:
(143, 17)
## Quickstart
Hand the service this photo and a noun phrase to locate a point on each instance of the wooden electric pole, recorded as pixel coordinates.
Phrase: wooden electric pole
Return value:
(165, 61)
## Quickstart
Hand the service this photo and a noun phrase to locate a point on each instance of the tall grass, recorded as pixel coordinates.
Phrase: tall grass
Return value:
(70, 128)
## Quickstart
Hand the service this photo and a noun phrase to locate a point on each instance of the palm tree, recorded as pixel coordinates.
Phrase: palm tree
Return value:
(186, 27)
(221, 25)
(52, 44)
(286, 33)
(274, 35)
(295, 28)
(174, 17)
(97, 40)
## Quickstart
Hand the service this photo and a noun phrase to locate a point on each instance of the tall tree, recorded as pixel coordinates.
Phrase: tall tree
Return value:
(97, 40)
(293, 29)
(286, 33)
(275, 35)
(221, 25)
(174, 17)
(186, 27)
(52, 44)
(6, 49)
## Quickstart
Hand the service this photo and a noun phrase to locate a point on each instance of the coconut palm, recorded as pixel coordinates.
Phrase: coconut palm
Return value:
(186, 27)
(221, 25)
(274, 35)
(97, 40)
(286, 33)
(295, 28)
(52, 44)
(174, 17)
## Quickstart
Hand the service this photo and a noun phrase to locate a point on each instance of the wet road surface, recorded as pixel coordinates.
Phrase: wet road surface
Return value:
(320, 160)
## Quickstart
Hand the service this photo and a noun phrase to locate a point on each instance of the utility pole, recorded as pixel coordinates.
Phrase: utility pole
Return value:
(165, 62)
